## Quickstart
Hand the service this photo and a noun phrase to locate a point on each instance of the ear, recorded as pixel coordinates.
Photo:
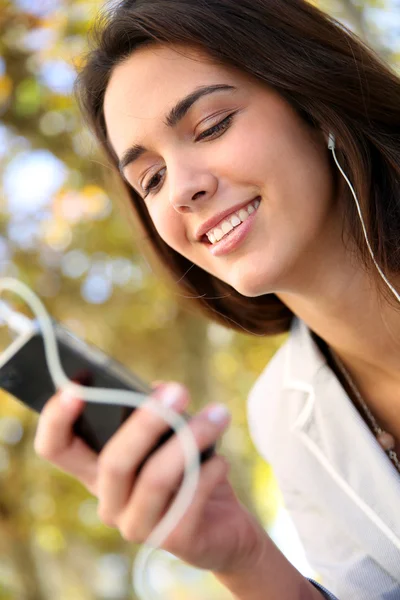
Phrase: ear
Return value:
(322, 137)
(325, 138)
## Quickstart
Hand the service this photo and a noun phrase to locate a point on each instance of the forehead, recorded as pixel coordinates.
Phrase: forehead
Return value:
(149, 82)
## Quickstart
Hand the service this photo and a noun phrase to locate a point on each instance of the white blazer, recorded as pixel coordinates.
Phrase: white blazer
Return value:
(339, 486)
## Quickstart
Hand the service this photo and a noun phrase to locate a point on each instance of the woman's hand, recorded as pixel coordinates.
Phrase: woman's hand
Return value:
(216, 533)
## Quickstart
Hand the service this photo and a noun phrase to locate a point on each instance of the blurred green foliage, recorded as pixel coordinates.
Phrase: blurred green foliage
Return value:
(79, 253)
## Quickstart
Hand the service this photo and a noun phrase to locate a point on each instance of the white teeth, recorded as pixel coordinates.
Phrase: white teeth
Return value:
(218, 234)
(235, 220)
(215, 235)
(226, 227)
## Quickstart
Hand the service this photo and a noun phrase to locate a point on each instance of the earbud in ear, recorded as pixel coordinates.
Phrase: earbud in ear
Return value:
(331, 142)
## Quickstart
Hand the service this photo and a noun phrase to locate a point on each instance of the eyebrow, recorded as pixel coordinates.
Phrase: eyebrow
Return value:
(175, 115)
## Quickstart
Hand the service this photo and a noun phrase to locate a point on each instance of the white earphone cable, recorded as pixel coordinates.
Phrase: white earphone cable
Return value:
(331, 146)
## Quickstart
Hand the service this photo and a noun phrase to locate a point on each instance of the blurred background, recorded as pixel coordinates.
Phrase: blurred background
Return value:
(61, 233)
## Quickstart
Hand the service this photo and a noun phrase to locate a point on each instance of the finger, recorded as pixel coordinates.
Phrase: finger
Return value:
(143, 514)
(127, 449)
(158, 383)
(56, 441)
(163, 472)
(212, 474)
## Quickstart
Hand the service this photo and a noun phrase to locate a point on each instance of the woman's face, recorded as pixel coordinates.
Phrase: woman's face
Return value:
(222, 152)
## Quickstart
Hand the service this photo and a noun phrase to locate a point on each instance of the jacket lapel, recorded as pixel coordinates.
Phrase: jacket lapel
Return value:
(359, 484)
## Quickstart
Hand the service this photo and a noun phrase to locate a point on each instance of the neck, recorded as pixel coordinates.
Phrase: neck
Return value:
(342, 304)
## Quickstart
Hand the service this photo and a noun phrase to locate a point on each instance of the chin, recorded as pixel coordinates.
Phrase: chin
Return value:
(251, 287)
(251, 292)
(255, 282)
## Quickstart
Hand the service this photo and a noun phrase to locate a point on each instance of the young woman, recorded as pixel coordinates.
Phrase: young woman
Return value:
(217, 115)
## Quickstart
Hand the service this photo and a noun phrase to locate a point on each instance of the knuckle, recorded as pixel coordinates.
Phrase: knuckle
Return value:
(155, 481)
(104, 516)
(221, 464)
(48, 409)
(92, 487)
(127, 532)
(203, 431)
(110, 464)
(51, 414)
(46, 438)
(42, 449)
(150, 421)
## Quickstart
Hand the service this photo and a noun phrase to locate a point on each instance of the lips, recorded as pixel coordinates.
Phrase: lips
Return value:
(219, 218)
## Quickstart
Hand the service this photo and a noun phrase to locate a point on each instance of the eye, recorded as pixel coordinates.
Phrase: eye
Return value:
(149, 187)
(221, 126)
(209, 133)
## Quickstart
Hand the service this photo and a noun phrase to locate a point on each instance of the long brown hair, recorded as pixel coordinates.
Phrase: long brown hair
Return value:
(333, 80)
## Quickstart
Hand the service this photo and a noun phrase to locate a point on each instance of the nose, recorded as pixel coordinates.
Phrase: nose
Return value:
(190, 190)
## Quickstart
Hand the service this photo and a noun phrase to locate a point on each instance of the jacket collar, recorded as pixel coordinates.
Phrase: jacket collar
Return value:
(301, 343)
(359, 484)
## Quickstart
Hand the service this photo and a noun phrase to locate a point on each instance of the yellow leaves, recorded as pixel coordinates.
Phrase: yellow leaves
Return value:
(265, 491)
(71, 591)
(383, 4)
(78, 61)
(56, 20)
(42, 505)
(49, 538)
(91, 202)
(28, 97)
(225, 365)
(52, 123)
(396, 62)
(56, 234)
(6, 86)
(67, 205)
(70, 207)
(9, 406)
(96, 200)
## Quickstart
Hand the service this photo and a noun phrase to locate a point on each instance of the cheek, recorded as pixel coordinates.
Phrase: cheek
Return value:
(168, 224)
(247, 156)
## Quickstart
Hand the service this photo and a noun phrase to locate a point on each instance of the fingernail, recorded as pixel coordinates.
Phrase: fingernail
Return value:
(218, 414)
(172, 395)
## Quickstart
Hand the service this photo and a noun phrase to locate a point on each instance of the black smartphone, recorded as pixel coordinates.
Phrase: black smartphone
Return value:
(24, 374)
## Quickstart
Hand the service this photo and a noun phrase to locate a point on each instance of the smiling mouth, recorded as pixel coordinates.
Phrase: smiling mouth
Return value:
(229, 224)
